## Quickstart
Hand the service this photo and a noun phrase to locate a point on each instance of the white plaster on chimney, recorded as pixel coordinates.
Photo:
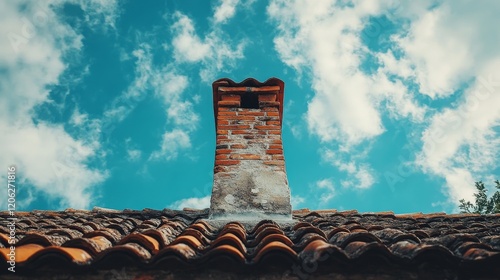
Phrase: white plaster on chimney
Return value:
(230, 199)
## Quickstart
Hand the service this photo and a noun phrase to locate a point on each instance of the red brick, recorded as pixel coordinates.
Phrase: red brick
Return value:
(223, 151)
(274, 162)
(220, 137)
(243, 118)
(278, 157)
(226, 162)
(226, 109)
(221, 156)
(267, 97)
(245, 131)
(275, 146)
(226, 127)
(229, 104)
(218, 169)
(273, 114)
(274, 131)
(238, 146)
(247, 113)
(274, 152)
(221, 132)
(271, 109)
(245, 156)
(273, 123)
(276, 141)
(231, 97)
(222, 122)
(223, 142)
(268, 104)
(225, 118)
(225, 113)
(268, 127)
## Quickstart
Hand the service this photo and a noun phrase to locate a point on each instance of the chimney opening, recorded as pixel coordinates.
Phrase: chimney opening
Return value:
(249, 101)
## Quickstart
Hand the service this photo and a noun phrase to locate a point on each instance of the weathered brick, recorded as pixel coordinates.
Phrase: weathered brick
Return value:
(275, 146)
(244, 118)
(229, 104)
(231, 97)
(238, 146)
(274, 162)
(276, 141)
(268, 104)
(278, 157)
(219, 168)
(250, 113)
(223, 146)
(227, 113)
(223, 141)
(227, 127)
(220, 137)
(273, 114)
(273, 123)
(270, 109)
(274, 132)
(267, 127)
(221, 132)
(274, 152)
(222, 122)
(226, 162)
(244, 131)
(267, 97)
(221, 156)
(245, 156)
(223, 151)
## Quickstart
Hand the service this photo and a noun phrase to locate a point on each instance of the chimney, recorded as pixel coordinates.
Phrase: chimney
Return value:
(249, 175)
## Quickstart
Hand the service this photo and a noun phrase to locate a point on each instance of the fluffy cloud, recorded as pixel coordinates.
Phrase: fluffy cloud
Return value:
(225, 10)
(449, 46)
(192, 202)
(31, 59)
(327, 190)
(325, 39)
(441, 49)
(170, 87)
(213, 50)
(172, 142)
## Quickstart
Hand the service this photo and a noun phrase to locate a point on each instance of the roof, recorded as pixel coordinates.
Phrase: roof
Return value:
(169, 239)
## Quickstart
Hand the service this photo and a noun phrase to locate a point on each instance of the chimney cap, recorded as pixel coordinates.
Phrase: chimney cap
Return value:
(248, 83)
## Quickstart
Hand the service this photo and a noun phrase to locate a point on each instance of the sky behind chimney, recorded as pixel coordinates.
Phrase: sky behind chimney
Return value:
(388, 106)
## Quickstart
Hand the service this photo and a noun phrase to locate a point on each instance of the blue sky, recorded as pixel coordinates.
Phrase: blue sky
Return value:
(388, 106)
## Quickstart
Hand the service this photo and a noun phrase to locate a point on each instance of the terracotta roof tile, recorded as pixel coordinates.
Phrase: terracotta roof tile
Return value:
(169, 238)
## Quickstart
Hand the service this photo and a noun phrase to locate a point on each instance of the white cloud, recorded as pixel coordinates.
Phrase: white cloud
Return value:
(462, 144)
(449, 46)
(169, 86)
(172, 142)
(213, 51)
(187, 44)
(359, 175)
(442, 47)
(296, 200)
(193, 202)
(325, 39)
(133, 154)
(31, 59)
(225, 10)
(327, 190)
(100, 13)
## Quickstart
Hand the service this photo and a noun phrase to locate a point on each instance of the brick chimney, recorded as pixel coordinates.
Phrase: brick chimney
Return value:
(249, 175)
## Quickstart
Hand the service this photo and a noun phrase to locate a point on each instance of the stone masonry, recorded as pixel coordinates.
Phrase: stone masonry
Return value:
(249, 175)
